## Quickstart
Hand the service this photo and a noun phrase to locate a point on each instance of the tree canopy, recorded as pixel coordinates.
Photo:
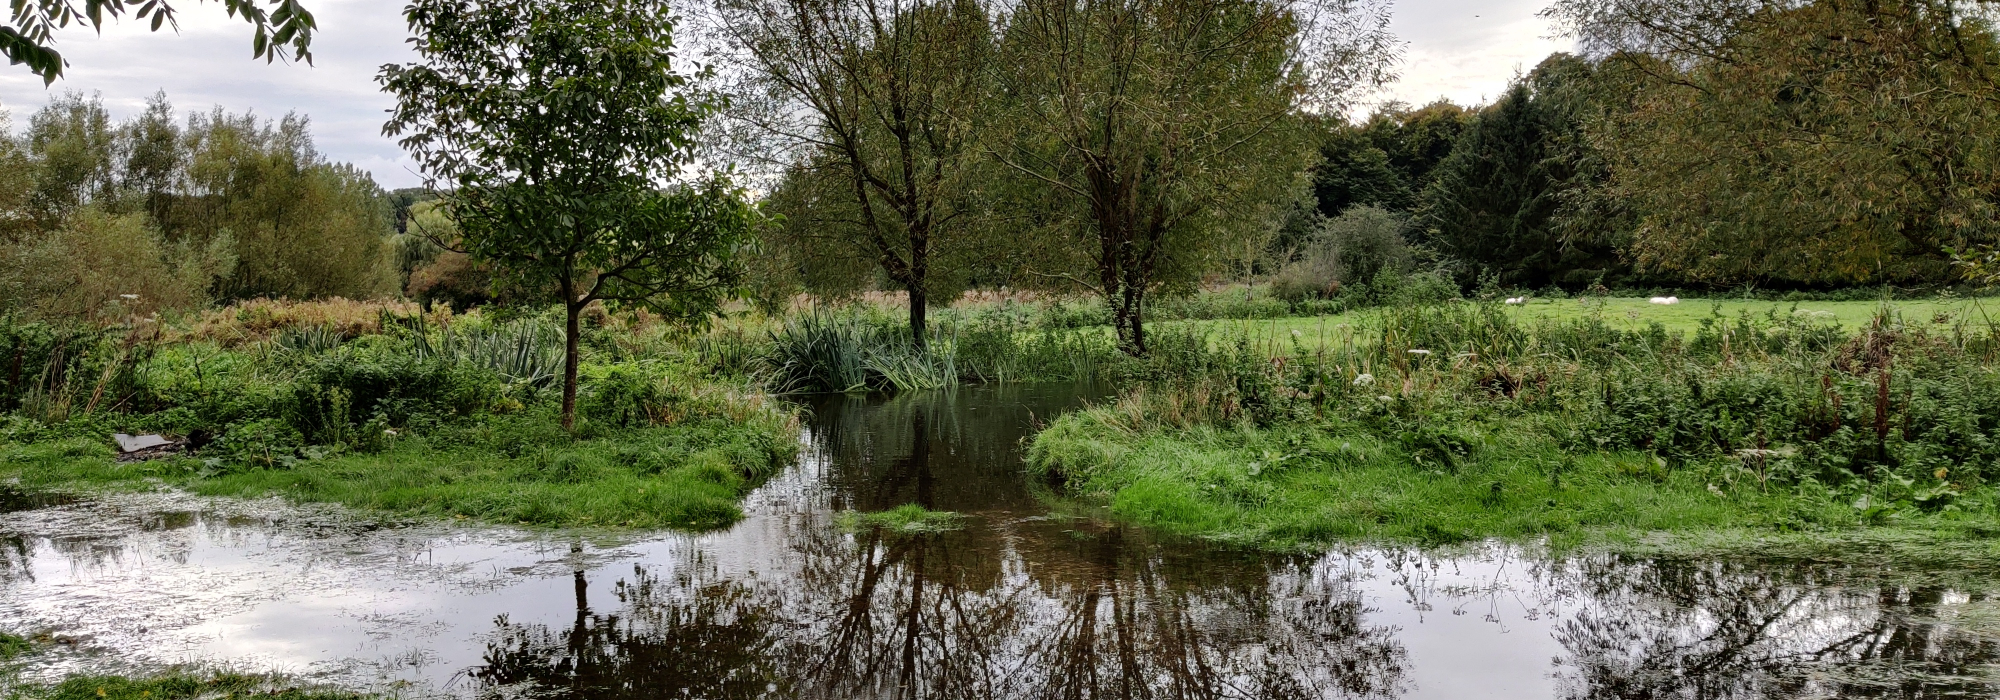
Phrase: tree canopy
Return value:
(284, 30)
(563, 131)
(1153, 132)
(1843, 142)
(871, 110)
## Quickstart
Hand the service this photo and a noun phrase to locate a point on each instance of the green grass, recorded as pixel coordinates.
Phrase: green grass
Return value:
(13, 645)
(907, 519)
(1316, 332)
(176, 686)
(688, 475)
(1302, 487)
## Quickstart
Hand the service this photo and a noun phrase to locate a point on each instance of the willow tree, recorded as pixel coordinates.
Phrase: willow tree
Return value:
(1155, 131)
(555, 124)
(871, 109)
(1826, 142)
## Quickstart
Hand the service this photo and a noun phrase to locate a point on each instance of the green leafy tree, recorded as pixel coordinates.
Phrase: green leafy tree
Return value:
(301, 227)
(283, 30)
(1827, 142)
(1417, 140)
(264, 209)
(1151, 132)
(554, 122)
(1353, 171)
(71, 141)
(873, 109)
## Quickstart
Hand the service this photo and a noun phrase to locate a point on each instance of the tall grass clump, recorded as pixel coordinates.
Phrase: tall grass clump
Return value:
(825, 352)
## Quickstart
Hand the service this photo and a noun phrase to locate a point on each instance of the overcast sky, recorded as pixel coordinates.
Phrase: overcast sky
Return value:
(1463, 50)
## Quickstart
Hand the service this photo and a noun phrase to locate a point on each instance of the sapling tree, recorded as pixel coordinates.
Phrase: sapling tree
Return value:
(563, 130)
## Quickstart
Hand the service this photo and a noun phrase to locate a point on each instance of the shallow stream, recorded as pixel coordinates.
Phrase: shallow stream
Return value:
(1018, 603)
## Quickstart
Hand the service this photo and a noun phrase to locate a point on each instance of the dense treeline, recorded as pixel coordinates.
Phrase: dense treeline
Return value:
(1782, 143)
(1691, 143)
(103, 219)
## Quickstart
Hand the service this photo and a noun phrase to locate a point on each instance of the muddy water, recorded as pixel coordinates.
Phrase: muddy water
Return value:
(1017, 604)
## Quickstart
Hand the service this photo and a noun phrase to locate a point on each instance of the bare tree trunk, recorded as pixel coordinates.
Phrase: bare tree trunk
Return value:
(571, 332)
(918, 303)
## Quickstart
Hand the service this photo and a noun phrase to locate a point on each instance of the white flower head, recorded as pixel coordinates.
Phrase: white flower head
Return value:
(1296, 333)
(1385, 398)
(1364, 379)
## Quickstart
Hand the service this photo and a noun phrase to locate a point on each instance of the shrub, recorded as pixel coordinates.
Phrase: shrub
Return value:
(265, 443)
(103, 267)
(1354, 249)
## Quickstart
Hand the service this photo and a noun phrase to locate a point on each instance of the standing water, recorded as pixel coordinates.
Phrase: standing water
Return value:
(1016, 602)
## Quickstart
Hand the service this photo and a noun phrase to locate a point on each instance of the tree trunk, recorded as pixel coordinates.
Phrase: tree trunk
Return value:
(918, 303)
(571, 332)
(1128, 319)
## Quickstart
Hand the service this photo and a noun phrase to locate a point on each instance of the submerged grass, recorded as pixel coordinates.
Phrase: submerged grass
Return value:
(177, 686)
(906, 519)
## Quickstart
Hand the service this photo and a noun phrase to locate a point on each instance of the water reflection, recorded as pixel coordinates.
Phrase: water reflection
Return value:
(1705, 629)
(1013, 605)
(882, 616)
(1019, 603)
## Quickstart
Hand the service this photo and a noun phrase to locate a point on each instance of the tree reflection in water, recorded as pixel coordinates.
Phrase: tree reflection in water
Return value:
(873, 614)
(1706, 629)
(1014, 605)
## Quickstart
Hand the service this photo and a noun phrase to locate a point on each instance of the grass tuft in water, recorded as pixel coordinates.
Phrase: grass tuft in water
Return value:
(14, 645)
(907, 519)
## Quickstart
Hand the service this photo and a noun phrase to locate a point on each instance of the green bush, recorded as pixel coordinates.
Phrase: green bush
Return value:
(263, 444)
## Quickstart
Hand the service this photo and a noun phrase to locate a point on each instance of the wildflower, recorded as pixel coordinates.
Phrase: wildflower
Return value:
(1385, 398)
(1664, 300)
(1364, 379)
(1296, 333)
(1420, 352)
(391, 432)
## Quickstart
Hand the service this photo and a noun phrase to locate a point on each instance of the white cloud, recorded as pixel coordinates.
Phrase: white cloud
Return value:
(1467, 50)
(208, 64)
(1464, 50)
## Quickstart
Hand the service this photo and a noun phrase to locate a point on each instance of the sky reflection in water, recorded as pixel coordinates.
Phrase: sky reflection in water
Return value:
(1017, 604)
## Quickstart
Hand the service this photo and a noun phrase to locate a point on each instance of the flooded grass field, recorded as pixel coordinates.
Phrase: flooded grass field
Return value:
(1010, 601)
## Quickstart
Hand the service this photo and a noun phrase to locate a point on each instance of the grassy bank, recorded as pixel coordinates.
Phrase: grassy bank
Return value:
(413, 415)
(1457, 421)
